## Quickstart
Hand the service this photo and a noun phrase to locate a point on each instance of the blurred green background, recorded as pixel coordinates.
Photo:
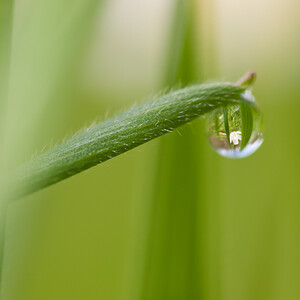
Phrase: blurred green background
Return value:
(170, 219)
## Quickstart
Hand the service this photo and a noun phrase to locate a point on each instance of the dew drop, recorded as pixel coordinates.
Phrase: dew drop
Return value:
(235, 131)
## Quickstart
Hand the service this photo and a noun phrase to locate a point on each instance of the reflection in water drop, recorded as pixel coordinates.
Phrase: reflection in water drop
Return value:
(235, 131)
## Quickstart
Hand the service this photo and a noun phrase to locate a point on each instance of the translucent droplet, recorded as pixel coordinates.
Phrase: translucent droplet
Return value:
(235, 131)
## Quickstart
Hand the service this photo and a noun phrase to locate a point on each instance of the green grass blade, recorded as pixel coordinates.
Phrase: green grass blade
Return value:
(172, 258)
(226, 125)
(122, 133)
(6, 11)
(173, 263)
(181, 55)
(247, 123)
(6, 17)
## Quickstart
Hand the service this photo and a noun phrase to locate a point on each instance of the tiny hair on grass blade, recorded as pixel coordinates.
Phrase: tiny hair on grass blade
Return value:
(123, 132)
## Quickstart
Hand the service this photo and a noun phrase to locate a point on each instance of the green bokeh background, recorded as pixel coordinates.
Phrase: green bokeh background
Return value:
(73, 62)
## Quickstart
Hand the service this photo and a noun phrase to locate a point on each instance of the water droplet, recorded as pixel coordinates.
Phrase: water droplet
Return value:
(235, 131)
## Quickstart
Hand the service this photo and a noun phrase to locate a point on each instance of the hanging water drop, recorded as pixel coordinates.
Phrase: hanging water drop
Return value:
(235, 130)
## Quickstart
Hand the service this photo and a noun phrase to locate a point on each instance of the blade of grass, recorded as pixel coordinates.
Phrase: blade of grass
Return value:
(181, 53)
(6, 13)
(247, 81)
(172, 262)
(247, 124)
(122, 133)
(6, 8)
(170, 257)
(226, 125)
(35, 63)
(43, 64)
(6, 16)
